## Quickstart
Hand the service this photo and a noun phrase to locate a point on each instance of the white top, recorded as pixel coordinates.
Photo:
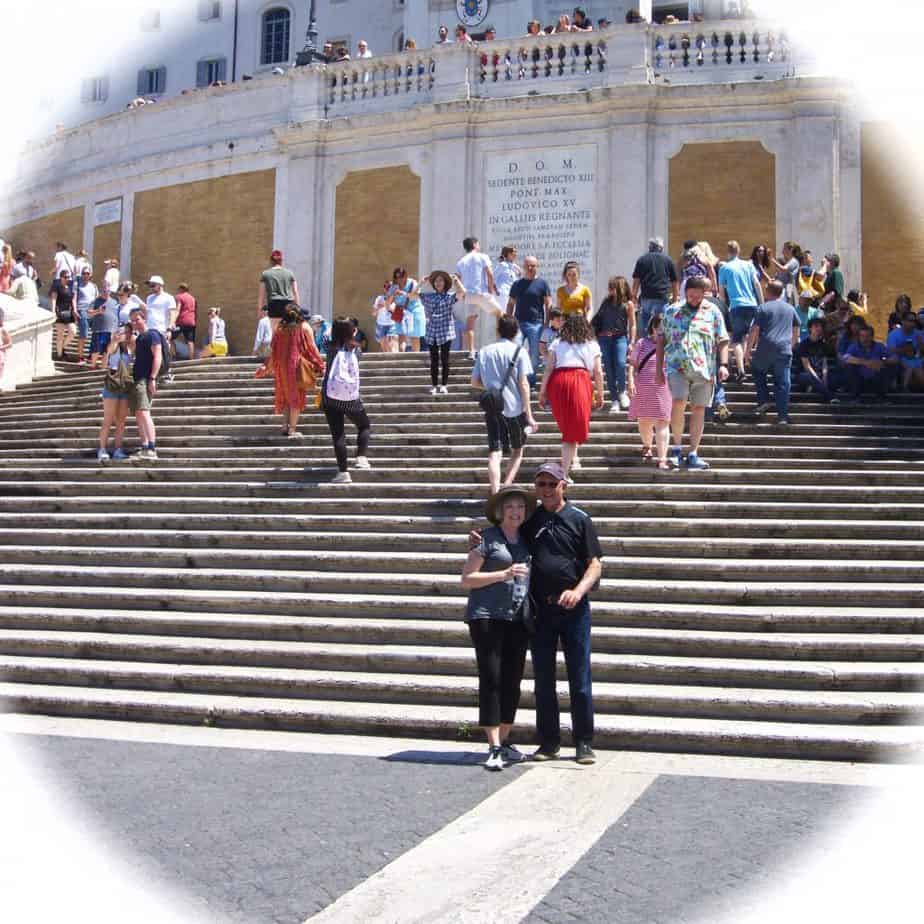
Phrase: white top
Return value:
(159, 308)
(505, 275)
(64, 259)
(86, 294)
(471, 271)
(264, 334)
(575, 355)
(125, 310)
(382, 314)
(112, 278)
(217, 330)
(82, 263)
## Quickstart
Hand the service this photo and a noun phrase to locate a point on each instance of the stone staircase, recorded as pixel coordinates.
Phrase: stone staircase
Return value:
(771, 606)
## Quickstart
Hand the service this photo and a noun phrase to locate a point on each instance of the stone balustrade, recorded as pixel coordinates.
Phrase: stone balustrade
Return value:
(717, 52)
(31, 331)
(386, 81)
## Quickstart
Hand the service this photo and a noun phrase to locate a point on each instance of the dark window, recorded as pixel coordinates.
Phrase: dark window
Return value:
(152, 80)
(274, 46)
(207, 72)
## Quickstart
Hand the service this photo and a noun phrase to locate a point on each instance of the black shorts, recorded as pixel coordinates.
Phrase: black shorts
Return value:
(188, 332)
(505, 433)
(277, 307)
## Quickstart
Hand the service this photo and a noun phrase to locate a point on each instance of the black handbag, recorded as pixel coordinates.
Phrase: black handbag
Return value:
(491, 400)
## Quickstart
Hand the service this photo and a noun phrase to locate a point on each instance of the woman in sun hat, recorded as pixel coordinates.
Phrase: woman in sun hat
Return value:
(496, 574)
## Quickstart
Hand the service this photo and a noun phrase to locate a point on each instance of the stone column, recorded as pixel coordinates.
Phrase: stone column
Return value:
(300, 217)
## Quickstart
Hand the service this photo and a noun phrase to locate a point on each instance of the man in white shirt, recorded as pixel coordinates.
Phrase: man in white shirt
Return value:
(64, 259)
(362, 49)
(162, 308)
(112, 276)
(24, 266)
(474, 269)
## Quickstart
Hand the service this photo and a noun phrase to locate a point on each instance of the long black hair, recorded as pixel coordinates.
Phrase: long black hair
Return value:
(341, 335)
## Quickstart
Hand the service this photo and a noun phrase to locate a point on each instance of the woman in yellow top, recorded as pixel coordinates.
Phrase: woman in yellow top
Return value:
(573, 297)
(808, 278)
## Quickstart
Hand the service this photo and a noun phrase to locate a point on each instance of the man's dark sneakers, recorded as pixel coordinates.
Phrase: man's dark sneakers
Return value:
(546, 752)
(512, 754)
(584, 753)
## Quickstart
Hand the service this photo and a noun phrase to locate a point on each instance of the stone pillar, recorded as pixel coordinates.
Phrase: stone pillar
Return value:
(849, 240)
(627, 201)
(128, 227)
(299, 215)
(454, 70)
(815, 178)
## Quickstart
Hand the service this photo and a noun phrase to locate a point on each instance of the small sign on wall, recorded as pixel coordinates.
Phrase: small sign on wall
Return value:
(105, 213)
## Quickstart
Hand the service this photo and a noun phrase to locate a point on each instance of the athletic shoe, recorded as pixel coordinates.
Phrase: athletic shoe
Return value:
(512, 754)
(740, 377)
(102, 455)
(472, 357)
(623, 401)
(295, 435)
(168, 379)
(434, 391)
(576, 464)
(784, 422)
(362, 462)
(694, 462)
(675, 457)
(443, 390)
(584, 754)
(342, 478)
(120, 455)
(835, 401)
(546, 752)
(722, 412)
(81, 361)
(763, 408)
(614, 408)
(495, 760)
(149, 455)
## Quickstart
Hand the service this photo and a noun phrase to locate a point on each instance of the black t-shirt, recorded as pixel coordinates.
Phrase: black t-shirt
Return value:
(655, 272)
(64, 305)
(815, 351)
(144, 354)
(611, 319)
(562, 545)
(529, 296)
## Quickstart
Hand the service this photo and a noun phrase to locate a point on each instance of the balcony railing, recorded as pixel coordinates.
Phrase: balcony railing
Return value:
(402, 79)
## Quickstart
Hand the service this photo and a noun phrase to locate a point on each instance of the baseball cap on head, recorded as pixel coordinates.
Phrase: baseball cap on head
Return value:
(551, 468)
(276, 255)
(156, 281)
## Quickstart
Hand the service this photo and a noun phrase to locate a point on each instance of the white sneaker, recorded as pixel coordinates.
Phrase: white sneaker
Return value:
(495, 759)
(342, 478)
(614, 407)
(434, 391)
(576, 464)
(623, 401)
(362, 462)
(472, 357)
(102, 455)
(443, 390)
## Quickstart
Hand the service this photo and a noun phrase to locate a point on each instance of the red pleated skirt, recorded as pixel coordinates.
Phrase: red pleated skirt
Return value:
(570, 393)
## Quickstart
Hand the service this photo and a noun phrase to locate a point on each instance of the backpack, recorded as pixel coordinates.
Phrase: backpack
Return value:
(164, 353)
(343, 378)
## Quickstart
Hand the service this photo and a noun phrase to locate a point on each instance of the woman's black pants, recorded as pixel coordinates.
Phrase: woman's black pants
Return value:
(439, 355)
(335, 420)
(500, 648)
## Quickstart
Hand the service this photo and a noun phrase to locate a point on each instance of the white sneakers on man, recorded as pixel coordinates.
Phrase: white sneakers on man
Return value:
(362, 462)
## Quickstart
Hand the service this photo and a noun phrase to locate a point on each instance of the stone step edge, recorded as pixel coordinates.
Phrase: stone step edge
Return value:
(780, 740)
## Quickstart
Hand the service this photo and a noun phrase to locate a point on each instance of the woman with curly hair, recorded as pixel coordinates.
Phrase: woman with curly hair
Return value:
(573, 382)
(295, 364)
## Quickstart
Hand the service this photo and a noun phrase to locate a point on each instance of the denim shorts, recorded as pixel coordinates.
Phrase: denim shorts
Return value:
(100, 341)
(83, 324)
(741, 319)
(385, 330)
(115, 395)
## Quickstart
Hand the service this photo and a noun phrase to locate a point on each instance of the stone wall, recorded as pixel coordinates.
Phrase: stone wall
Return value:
(721, 192)
(107, 243)
(216, 236)
(41, 234)
(377, 227)
(893, 225)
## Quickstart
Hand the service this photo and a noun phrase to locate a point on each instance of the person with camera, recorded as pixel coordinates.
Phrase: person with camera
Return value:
(496, 574)
(117, 386)
(501, 373)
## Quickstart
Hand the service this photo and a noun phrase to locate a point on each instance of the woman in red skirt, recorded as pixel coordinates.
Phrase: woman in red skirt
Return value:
(572, 384)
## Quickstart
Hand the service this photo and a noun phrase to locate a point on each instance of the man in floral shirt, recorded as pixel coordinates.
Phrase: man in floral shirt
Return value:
(691, 335)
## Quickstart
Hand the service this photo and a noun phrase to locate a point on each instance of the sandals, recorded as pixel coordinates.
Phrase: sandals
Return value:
(664, 466)
(646, 454)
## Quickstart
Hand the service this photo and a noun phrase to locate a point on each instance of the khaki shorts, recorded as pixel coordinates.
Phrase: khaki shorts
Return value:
(138, 397)
(697, 391)
(473, 303)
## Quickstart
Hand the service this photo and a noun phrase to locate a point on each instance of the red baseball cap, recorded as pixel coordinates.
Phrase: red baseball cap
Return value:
(276, 255)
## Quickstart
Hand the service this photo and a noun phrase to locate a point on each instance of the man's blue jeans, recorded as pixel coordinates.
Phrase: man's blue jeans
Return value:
(573, 628)
(780, 368)
(531, 331)
(808, 381)
(648, 307)
(613, 352)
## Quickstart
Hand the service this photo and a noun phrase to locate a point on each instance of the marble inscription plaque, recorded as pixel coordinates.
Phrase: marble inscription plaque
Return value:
(543, 202)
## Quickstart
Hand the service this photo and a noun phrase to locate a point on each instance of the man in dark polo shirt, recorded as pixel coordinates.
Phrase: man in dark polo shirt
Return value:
(566, 558)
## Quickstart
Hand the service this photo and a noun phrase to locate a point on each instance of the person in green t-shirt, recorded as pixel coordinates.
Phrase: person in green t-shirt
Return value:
(278, 288)
(834, 279)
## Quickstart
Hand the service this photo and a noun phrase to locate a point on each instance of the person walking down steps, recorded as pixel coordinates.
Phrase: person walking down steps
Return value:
(340, 399)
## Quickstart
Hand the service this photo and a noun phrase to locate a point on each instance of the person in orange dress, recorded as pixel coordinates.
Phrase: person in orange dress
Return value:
(296, 366)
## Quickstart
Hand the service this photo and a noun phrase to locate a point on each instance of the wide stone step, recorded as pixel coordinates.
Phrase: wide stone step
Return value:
(740, 590)
(757, 544)
(652, 733)
(334, 500)
(864, 537)
(289, 563)
(288, 616)
(609, 698)
(676, 669)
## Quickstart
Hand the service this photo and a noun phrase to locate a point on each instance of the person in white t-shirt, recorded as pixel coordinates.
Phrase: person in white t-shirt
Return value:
(112, 277)
(162, 308)
(386, 330)
(264, 338)
(573, 384)
(83, 263)
(127, 300)
(474, 269)
(64, 259)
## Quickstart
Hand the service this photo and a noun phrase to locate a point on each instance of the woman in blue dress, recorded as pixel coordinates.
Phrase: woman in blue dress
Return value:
(406, 296)
(441, 329)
